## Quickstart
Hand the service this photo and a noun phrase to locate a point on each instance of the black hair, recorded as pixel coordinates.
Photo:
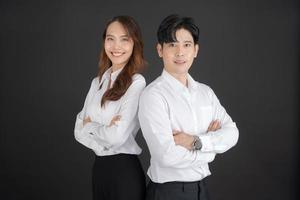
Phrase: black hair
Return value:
(166, 32)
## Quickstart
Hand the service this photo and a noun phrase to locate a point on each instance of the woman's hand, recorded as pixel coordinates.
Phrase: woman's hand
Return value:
(86, 120)
(114, 120)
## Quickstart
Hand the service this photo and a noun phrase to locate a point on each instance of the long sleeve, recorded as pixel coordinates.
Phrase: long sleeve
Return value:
(224, 138)
(112, 137)
(156, 128)
(79, 133)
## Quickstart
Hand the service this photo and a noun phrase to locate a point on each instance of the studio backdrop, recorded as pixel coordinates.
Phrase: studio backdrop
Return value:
(49, 50)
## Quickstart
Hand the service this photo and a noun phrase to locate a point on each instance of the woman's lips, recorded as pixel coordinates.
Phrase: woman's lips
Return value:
(117, 54)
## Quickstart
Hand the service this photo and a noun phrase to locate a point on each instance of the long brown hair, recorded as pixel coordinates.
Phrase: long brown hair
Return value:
(134, 65)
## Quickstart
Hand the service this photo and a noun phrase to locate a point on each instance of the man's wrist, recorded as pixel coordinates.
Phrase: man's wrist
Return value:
(197, 144)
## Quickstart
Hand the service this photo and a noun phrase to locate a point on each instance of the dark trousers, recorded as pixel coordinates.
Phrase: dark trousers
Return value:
(118, 177)
(177, 191)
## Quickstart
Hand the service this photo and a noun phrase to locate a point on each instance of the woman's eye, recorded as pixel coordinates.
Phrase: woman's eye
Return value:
(187, 45)
(171, 45)
(109, 39)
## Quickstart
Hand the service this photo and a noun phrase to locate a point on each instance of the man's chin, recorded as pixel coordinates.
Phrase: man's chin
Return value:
(182, 71)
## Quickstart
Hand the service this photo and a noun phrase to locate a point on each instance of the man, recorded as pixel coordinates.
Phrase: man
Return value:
(182, 120)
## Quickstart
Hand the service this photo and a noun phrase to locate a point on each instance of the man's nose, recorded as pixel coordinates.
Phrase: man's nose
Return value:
(179, 51)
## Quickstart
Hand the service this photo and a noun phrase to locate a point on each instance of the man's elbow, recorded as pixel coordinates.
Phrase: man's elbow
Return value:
(235, 136)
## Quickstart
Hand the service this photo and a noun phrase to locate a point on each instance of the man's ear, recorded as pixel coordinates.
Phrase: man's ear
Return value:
(159, 49)
(197, 47)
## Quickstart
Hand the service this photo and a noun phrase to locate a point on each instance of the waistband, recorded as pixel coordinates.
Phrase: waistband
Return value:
(178, 185)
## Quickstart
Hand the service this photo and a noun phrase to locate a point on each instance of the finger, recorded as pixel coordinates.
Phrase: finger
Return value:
(210, 126)
(113, 122)
(175, 132)
(219, 125)
(117, 117)
(214, 126)
(88, 119)
(176, 140)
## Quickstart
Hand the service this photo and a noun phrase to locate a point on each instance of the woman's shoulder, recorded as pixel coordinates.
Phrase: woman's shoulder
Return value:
(138, 77)
(95, 82)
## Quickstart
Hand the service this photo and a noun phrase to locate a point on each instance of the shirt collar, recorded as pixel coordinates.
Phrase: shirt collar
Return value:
(177, 85)
(113, 75)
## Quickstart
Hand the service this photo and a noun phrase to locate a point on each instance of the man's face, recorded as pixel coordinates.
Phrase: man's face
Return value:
(178, 56)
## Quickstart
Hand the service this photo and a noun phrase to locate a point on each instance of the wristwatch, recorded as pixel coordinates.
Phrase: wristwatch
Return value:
(197, 144)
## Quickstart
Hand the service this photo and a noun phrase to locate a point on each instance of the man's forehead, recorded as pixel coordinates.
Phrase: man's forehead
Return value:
(183, 34)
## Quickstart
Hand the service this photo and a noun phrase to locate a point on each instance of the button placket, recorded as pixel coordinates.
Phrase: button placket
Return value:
(188, 98)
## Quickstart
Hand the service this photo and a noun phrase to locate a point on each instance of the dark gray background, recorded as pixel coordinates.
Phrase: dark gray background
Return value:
(49, 54)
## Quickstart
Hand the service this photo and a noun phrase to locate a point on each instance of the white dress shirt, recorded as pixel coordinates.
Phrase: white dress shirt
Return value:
(167, 105)
(98, 135)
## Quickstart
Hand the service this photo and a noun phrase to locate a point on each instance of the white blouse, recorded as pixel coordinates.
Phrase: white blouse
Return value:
(97, 134)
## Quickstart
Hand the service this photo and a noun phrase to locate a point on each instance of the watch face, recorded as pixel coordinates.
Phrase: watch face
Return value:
(198, 144)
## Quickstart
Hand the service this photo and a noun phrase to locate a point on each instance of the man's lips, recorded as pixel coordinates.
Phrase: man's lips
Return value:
(179, 61)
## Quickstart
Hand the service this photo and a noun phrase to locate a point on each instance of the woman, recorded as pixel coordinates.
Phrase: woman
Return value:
(108, 122)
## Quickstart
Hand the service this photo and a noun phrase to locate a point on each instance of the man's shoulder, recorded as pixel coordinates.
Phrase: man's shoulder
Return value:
(202, 86)
(155, 88)
(155, 85)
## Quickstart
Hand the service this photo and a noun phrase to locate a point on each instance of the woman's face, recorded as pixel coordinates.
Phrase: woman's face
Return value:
(118, 45)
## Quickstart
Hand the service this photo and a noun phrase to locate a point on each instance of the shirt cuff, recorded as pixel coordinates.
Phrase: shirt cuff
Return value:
(90, 128)
(93, 129)
(207, 145)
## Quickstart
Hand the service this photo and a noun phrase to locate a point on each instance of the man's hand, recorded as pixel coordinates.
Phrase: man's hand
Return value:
(214, 125)
(183, 139)
(114, 120)
(86, 120)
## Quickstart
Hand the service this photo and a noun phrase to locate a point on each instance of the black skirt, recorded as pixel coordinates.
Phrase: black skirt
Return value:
(118, 177)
